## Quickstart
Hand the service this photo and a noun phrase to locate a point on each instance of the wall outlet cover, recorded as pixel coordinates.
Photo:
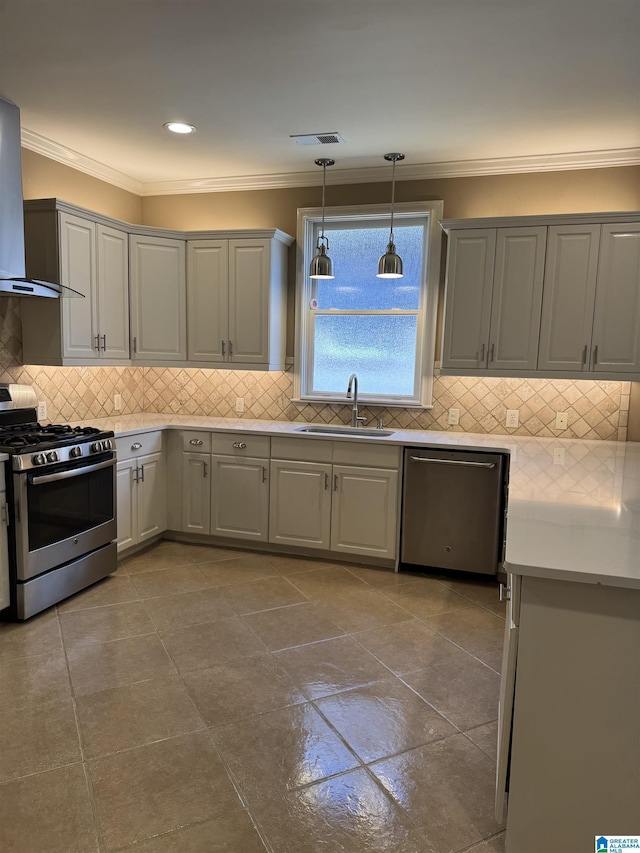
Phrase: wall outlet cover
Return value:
(558, 455)
(239, 405)
(454, 417)
(513, 417)
(117, 402)
(562, 420)
(42, 410)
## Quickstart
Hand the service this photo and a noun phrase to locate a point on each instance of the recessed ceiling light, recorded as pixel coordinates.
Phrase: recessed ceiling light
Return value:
(179, 127)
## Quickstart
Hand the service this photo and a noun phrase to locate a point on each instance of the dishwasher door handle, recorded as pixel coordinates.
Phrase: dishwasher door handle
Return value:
(453, 462)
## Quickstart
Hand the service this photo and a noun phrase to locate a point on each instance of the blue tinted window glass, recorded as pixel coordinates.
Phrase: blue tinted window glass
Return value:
(355, 253)
(381, 349)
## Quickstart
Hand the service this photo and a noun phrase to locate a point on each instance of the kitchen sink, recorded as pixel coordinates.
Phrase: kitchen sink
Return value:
(344, 430)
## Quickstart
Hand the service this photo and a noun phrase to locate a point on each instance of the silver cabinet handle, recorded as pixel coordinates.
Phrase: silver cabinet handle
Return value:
(223, 353)
(205, 470)
(482, 354)
(505, 592)
(239, 444)
(335, 482)
(453, 462)
(134, 471)
(491, 352)
(136, 445)
(264, 474)
(595, 355)
(97, 342)
(142, 470)
(135, 345)
(197, 442)
(326, 481)
(230, 349)
(584, 353)
(104, 342)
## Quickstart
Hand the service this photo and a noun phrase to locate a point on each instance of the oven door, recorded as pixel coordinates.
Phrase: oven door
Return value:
(63, 512)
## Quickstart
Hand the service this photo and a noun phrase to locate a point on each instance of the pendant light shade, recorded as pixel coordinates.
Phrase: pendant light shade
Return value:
(321, 264)
(390, 264)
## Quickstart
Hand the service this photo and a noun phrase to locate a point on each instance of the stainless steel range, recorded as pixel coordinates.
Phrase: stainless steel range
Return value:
(62, 507)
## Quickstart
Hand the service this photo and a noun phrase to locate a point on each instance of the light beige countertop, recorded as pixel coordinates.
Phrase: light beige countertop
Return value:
(573, 509)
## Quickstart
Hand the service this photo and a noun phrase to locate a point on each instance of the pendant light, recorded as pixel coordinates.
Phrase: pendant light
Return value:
(321, 265)
(390, 264)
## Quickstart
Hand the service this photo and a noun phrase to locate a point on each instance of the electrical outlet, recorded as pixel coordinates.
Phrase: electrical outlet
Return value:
(513, 417)
(239, 405)
(42, 410)
(117, 402)
(454, 417)
(558, 455)
(562, 420)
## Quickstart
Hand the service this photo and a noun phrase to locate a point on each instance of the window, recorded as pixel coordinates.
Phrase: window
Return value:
(383, 330)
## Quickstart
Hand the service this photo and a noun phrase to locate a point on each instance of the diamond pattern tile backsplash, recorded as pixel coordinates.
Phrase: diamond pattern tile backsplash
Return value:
(596, 410)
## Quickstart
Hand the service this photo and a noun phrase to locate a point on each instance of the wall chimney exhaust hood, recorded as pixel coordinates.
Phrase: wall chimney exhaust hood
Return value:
(13, 281)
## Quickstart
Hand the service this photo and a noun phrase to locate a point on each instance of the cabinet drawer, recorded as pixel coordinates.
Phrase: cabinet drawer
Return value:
(133, 446)
(301, 449)
(241, 444)
(356, 453)
(196, 441)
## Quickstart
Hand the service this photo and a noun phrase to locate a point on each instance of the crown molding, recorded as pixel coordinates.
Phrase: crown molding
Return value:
(374, 174)
(61, 154)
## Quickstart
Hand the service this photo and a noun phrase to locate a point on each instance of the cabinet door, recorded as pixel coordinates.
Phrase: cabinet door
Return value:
(208, 300)
(158, 299)
(364, 511)
(196, 496)
(249, 301)
(568, 297)
(126, 502)
(470, 262)
(240, 497)
(616, 322)
(517, 298)
(300, 503)
(113, 292)
(152, 496)
(4, 553)
(78, 270)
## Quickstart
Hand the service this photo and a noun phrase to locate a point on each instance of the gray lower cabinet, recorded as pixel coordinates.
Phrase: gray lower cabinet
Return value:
(140, 489)
(300, 503)
(225, 494)
(4, 548)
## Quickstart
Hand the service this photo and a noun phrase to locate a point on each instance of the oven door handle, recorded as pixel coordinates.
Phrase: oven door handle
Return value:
(77, 472)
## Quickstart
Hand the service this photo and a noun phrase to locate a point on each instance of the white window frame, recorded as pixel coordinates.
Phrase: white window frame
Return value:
(308, 218)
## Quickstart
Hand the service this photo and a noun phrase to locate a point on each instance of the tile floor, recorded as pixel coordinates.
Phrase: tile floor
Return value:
(203, 699)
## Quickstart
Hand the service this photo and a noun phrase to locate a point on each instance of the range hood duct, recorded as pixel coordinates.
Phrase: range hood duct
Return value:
(13, 280)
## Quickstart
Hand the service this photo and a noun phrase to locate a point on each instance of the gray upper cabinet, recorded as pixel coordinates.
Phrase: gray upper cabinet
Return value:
(616, 321)
(158, 299)
(564, 295)
(494, 297)
(236, 300)
(89, 257)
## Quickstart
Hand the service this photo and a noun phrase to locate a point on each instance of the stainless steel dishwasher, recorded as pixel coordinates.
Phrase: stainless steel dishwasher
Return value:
(453, 509)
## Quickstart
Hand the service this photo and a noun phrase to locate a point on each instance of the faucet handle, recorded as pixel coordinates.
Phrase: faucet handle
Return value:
(379, 423)
(361, 419)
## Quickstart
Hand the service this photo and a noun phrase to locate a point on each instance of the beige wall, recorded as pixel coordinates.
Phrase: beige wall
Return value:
(579, 191)
(44, 178)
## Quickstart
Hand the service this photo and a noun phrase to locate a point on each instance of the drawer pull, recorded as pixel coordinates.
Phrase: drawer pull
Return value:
(196, 441)
(240, 445)
(136, 445)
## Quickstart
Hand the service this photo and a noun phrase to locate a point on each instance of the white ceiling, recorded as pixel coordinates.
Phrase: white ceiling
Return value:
(459, 86)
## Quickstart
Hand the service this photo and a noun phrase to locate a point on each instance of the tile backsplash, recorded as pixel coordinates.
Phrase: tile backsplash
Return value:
(596, 410)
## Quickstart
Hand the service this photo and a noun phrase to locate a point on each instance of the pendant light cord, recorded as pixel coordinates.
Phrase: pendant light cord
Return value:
(393, 195)
(324, 183)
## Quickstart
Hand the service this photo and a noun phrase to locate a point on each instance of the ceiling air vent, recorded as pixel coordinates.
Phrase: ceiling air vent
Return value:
(317, 138)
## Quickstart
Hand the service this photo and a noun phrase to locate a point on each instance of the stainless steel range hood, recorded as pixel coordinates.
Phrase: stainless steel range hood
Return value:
(13, 281)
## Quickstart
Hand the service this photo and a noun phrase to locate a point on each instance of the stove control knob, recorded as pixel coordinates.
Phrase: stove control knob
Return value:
(96, 447)
(108, 444)
(52, 456)
(38, 459)
(75, 452)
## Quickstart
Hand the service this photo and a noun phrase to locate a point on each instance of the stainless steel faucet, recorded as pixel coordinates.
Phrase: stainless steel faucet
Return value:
(355, 418)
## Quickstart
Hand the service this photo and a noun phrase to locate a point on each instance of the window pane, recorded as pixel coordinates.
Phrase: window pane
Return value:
(381, 349)
(355, 253)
